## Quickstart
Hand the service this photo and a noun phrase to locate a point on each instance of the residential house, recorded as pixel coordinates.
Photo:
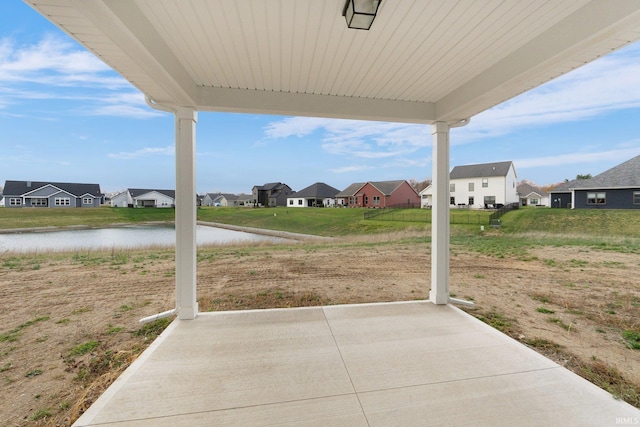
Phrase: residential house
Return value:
(271, 194)
(380, 194)
(144, 198)
(347, 197)
(615, 188)
(226, 199)
(18, 194)
(315, 195)
(531, 195)
(426, 197)
(487, 185)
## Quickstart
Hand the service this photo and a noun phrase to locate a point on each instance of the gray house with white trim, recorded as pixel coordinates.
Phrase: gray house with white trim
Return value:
(40, 194)
(615, 188)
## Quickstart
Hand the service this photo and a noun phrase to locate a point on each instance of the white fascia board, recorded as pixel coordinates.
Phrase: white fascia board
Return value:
(311, 105)
(40, 188)
(625, 187)
(124, 24)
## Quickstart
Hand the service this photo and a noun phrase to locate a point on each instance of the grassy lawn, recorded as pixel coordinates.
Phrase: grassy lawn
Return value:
(525, 226)
(594, 222)
(66, 217)
(320, 222)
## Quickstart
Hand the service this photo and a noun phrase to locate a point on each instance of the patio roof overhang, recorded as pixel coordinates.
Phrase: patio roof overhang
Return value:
(421, 61)
(435, 62)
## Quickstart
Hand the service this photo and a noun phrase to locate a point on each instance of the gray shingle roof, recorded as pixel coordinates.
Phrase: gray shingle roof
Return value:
(524, 189)
(137, 192)
(319, 190)
(625, 175)
(351, 190)
(387, 187)
(564, 187)
(481, 170)
(17, 188)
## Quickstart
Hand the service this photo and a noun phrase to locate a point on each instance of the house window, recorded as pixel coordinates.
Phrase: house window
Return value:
(62, 201)
(489, 200)
(534, 202)
(376, 200)
(452, 188)
(596, 198)
(471, 200)
(39, 202)
(290, 202)
(15, 202)
(485, 182)
(87, 201)
(636, 197)
(352, 201)
(300, 202)
(471, 186)
(366, 200)
(452, 200)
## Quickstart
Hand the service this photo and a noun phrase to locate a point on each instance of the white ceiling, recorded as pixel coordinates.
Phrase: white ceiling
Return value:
(422, 61)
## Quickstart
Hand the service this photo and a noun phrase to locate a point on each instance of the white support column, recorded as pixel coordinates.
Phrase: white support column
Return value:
(186, 304)
(439, 293)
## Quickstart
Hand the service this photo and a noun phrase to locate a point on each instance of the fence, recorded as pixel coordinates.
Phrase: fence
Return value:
(424, 215)
(503, 210)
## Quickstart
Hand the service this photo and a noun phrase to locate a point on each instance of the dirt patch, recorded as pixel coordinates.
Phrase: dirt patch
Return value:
(69, 323)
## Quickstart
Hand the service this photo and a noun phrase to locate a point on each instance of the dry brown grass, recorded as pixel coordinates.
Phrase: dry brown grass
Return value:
(99, 297)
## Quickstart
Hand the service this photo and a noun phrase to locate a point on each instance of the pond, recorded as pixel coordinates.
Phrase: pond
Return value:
(128, 237)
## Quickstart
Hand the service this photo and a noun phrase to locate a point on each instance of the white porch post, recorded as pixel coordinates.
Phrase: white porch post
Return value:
(439, 293)
(186, 304)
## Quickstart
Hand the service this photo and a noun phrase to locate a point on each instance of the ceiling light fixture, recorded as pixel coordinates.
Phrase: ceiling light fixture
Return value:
(360, 13)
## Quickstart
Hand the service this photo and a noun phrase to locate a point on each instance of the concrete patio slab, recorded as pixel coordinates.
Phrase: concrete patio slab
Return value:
(388, 364)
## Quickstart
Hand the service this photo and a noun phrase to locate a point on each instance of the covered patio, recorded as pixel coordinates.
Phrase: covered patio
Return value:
(435, 62)
(388, 364)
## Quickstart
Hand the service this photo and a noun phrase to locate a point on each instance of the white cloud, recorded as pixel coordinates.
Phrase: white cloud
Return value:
(347, 169)
(56, 69)
(355, 138)
(143, 152)
(617, 155)
(609, 84)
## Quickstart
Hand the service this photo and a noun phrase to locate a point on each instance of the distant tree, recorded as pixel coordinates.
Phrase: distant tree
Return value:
(586, 176)
(419, 185)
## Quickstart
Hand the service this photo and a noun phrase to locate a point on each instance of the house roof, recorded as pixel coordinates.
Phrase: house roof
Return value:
(319, 190)
(564, 187)
(229, 196)
(387, 187)
(137, 192)
(17, 188)
(525, 189)
(483, 170)
(421, 61)
(270, 186)
(351, 190)
(625, 175)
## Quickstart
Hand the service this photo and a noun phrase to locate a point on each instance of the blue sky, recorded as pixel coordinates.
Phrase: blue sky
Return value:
(66, 117)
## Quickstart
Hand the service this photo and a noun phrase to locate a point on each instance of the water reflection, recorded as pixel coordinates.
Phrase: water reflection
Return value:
(119, 238)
